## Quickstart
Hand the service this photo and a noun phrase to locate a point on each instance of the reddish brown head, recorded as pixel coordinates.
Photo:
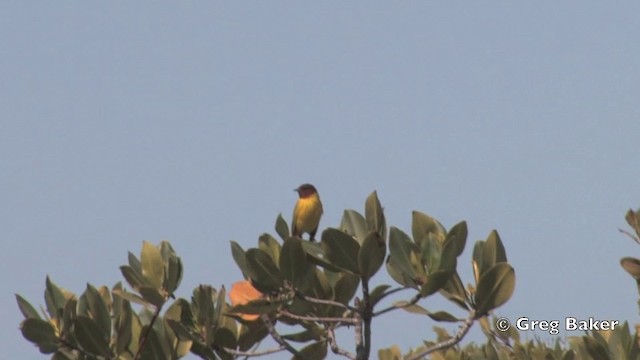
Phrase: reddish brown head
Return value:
(306, 190)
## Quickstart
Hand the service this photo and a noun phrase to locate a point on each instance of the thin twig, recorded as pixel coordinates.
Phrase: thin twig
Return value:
(413, 301)
(316, 318)
(393, 291)
(334, 345)
(464, 328)
(274, 334)
(249, 354)
(358, 329)
(144, 337)
(324, 302)
(367, 314)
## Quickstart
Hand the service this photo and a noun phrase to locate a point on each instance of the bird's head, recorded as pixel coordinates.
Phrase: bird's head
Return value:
(306, 190)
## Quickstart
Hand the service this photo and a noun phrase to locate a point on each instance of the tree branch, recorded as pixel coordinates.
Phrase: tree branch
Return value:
(363, 326)
(254, 353)
(392, 291)
(324, 302)
(334, 345)
(144, 337)
(367, 313)
(451, 341)
(413, 301)
(274, 334)
(358, 329)
(316, 318)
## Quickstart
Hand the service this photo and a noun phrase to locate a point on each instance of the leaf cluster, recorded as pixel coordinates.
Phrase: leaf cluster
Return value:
(304, 291)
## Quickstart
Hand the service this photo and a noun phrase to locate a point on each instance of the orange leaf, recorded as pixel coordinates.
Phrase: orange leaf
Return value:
(241, 293)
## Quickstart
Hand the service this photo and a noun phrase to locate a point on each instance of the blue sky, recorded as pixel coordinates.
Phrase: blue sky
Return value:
(193, 122)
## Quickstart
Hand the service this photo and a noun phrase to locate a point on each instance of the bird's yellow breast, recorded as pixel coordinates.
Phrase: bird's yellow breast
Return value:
(307, 213)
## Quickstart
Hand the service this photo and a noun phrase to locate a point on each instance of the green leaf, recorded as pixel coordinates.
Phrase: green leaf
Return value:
(374, 215)
(173, 267)
(479, 267)
(595, 349)
(341, 249)
(202, 350)
(152, 265)
(98, 309)
(26, 309)
(633, 219)
(202, 300)
(154, 348)
(569, 355)
(397, 275)
(322, 287)
(377, 294)
(282, 228)
(180, 330)
(315, 351)
(423, 225)
(494, 288)
(490, 352)
(431, 251)
(54, 298)
(323, 263)
(294, 265)
(435, 282)
(91, 337)
(131, 297)
(51, 349)
(220, 307)
(345, 288)
(448, 259)
(392, 353)
(39, 332)
(630, 265)
(443, 316)
(457, 237)
(123, 328)
(224, 338)
(371, 255)
(174, 275)
(412, 308)
(152, 295)
(313, 249)
(354, 224)
(313, 333)
(493, 251)
(134, 262)
(133, 278)
(316, 256)
(179, 347)
(250, 334)
(402, 250)
(185, 314)
(69, 313)
(239, 256)
(270, 245)
(265, 274)
(455, 292)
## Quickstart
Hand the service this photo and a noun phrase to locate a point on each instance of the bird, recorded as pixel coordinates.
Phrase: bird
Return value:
(307, 212)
